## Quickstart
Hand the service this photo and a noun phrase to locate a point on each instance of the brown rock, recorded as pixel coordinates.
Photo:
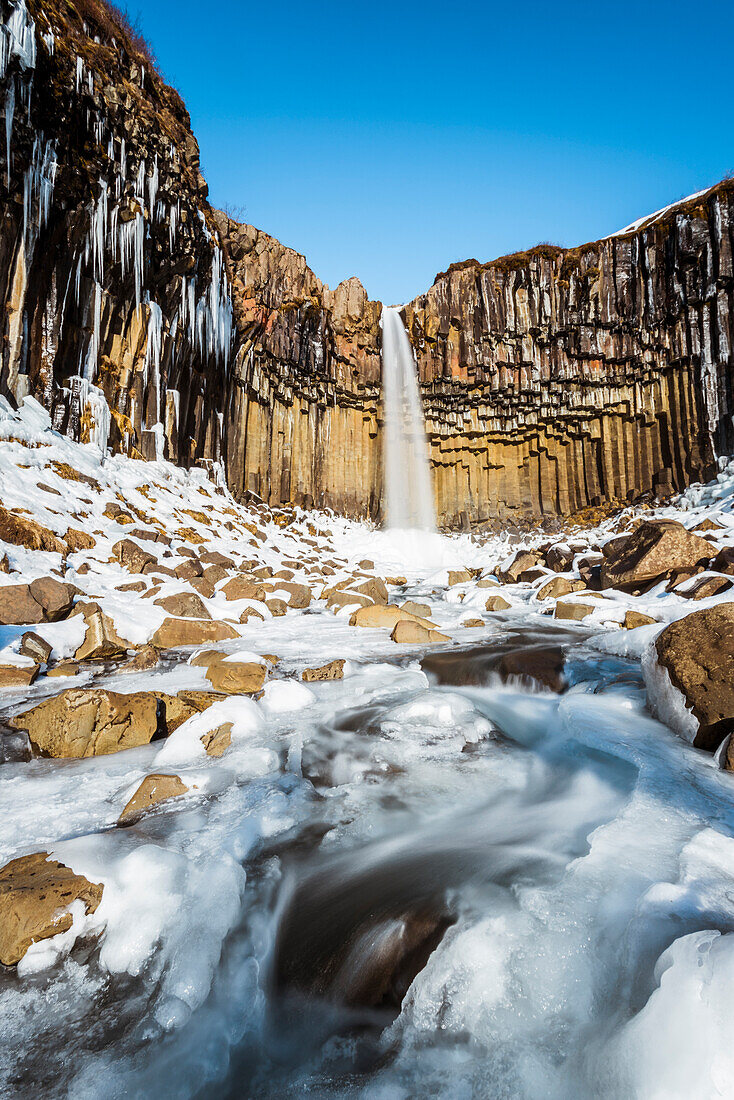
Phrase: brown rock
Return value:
(422, 610)
(343, 597)
(154, 789)
(541, 664)
(236, 678)
(365, 564)
(185, 605)
(201, 700)
(487, 582)
(64, 668)
(145, 658)
(189, 570)
(243, 588)
(55, 597)
(101, 640)
(633, 619)
(722, 563)
(131, 586)
(459, 576)
(13, 676)
(21, 531)
(559, 586)
(496, 603)
(698, 654)
(333, 671)
(78, 540)
(575, 611)
(652, 552)
(559, 558)
(524, 559)
(396, 581)
(17, 606)
(132, 557)
(83, 722)
(217, 741)
(707, 525)
(35, 647)
(374, 589)
(408, 632)
(384, 615)
(705, 587)
(470, 623)
(300, 594)
(173, 633)
(276, 607)
(34, 892)
(249, 613)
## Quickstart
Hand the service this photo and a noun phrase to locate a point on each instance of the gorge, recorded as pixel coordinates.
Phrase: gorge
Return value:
(552, 380)
(366, 671)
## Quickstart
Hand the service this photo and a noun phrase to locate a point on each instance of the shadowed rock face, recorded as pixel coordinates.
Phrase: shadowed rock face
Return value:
(553, 380)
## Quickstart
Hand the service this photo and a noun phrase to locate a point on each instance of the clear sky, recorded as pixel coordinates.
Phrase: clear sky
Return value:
(388, 140)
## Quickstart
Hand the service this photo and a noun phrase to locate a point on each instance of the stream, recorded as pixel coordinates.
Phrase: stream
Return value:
(437, 880)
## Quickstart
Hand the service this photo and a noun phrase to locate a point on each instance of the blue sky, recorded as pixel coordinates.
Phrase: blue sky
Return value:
(388, 140)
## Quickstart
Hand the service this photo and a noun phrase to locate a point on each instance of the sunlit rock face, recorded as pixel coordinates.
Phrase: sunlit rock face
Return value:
(552, 380)
(111, 269)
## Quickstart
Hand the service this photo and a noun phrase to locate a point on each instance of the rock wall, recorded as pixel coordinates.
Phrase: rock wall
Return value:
(552, 380)
(117, 312)
(558, 379)
(303, 409)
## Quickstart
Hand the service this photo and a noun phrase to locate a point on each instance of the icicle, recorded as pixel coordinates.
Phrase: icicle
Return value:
(98, 231)
(79, 73)
(90, 365)
(49, 39)
(173, 224)
(93, 406)
(153, 186)
(9, 112)
(153, 352)
(18, 39)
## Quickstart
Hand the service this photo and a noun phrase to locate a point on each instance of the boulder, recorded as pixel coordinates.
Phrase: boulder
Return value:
(697, 653)
(472, 623)
(186, 605)
(22, 531)
(559, 586)
(300, 594)
(572, 610)
(19, 605)
(496, 603)
(237, 678)
(34, 646)
(724, 561)
(704, 587)
(374, 589)
(276, 607)
(343, 597)
(189, 570)
(101, 640)
(333, 671)
(154, 789)
(366, 563)
(409, 632)
(707, 525)
(83, 722)
(633, 619)
(509, 572)
(251, 613)
(243, 588)
(64, 668)
(173, 633)
(559, 558)
(78, 540)
(132, 557)
(488, 582)
(459, 576)
(146, 657)
(384, 615)
(15, 676)
(541, 664)
(55, 597)
(35, 894)
(652, 552)
(422, 610)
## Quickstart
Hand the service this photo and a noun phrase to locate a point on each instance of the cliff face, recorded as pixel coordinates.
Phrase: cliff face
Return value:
(552, 380)
(112, 275)
(302, 415)
(558, 379)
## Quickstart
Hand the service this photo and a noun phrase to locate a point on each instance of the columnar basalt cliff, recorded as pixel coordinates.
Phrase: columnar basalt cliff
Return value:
(302, 415)
(558, 379)
(552, 380)
(110, 268)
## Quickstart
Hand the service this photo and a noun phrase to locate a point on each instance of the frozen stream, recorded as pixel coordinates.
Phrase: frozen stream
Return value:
(571, 859)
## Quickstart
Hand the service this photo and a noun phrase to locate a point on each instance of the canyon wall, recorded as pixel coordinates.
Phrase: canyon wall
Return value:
(552, 380)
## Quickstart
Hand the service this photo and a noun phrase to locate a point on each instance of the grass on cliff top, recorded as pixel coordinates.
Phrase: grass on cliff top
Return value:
(113, 22)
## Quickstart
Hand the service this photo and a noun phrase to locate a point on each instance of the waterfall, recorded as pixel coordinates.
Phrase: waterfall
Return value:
(408, 489)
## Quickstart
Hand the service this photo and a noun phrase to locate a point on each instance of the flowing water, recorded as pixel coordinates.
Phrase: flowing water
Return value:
(408, 491)
(434, 881)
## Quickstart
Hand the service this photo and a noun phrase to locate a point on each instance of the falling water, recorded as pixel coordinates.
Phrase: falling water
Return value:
(408, 489)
